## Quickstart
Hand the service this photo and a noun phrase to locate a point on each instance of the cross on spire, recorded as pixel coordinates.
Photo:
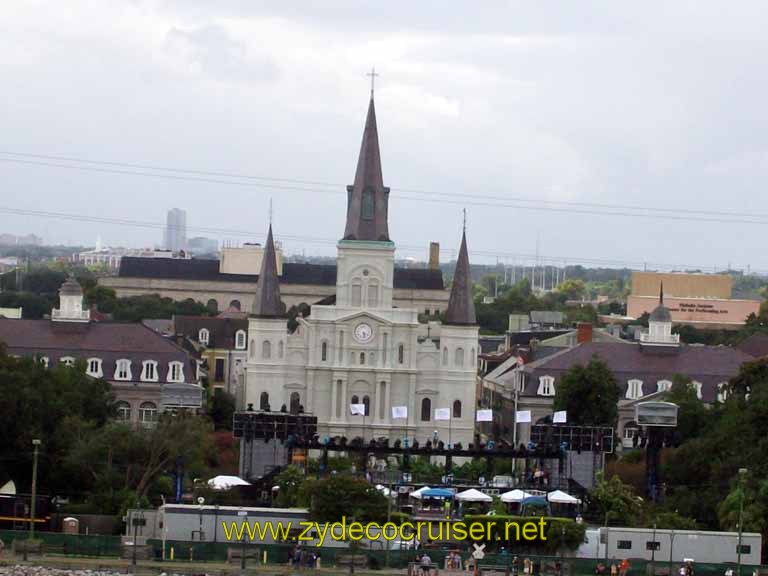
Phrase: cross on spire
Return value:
(464, 222)
(373, 75)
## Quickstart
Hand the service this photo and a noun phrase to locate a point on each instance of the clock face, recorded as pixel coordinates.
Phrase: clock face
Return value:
(363, 332)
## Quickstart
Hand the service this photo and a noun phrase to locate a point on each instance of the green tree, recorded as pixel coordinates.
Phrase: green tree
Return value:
(290, 482)
(573, 288)
(692, 417)
(340, 496)
(589, 394)
(221, 410)
(616, 501)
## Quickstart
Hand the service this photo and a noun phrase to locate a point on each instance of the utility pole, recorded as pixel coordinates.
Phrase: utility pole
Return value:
(36, 443)
(742, 476)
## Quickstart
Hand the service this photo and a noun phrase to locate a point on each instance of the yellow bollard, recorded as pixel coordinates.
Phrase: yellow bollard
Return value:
(171, 552)
(264, 557)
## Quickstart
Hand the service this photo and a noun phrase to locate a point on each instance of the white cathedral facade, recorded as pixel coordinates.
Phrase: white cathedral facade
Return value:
(361, 350)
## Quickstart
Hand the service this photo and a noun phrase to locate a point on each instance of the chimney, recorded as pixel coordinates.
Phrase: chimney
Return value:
(434, 255)
(583, 332)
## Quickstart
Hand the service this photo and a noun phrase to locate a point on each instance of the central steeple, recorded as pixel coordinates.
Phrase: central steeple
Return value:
(368, 198)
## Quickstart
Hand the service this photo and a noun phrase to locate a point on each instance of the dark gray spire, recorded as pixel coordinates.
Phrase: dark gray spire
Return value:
(660, 313)
(368, 198)
(461, 305)
(267, 303)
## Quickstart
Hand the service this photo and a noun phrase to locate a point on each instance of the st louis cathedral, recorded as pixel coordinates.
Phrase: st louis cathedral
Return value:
(362, 366)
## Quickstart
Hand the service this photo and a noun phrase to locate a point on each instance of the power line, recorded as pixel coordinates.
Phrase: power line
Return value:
(549, 261)
(462, 199)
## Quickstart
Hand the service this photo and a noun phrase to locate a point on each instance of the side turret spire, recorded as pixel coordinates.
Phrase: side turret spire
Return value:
(267, 303)
(461, 305)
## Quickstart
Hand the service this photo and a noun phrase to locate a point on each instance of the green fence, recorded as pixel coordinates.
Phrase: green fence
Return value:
(69, 544)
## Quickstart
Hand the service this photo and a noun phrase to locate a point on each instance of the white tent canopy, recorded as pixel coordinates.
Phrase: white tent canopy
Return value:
(514, 496)
(417, 493)
(226, 482)
(473, 495)
(560, 497)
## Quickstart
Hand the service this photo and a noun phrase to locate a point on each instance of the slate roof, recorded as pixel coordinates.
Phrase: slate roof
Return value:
(293, 273)
(755, 345)
(709, 365)
(461, 304)
(110, 341)
(221, 329)
(267, 303)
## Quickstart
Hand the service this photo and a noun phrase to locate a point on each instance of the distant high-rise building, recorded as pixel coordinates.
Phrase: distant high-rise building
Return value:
(175, 237)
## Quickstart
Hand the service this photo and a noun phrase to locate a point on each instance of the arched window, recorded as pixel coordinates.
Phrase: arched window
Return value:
(253, 348)
(426, 409)
(295, 402)
(472, 356)
(546, 386)
(123, 370)
(457, 408)
(264, 401)
(400, 353)
(240, 340)
(663, 386)
(445, 356)
(203, 336)
(634, 389)
(354, 400)
(458, 358)
(94, 368)
(235, 304)
(123, 411)
(362, 358)
(212, 306)
(722, 391)
(148, 413)
(367, 403)
(324, 352)
(382, 400)
(373, 294)
(149, 371)
(339, 401)
(175, 372)
(67, 361)
(280, 349)
(357, 292)
(266, 349)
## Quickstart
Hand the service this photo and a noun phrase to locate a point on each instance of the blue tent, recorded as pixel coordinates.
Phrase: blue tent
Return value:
(437, 493)
(535, 501)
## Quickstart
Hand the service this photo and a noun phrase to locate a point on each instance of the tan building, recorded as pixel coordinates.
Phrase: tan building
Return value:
(702, 300)
(216, 283)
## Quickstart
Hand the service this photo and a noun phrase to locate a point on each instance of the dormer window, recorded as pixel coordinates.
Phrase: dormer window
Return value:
(722, 391)
(546, 386)
(697, 387)
(634, 389)
(663, 386)
(123, 370)
(240, 340)
(175, 372)
(45, 361)
(67, 361)
(204, 336)
(149, 372)
(93, 368)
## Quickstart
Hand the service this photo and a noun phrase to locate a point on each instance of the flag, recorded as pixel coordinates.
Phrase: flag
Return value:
(357, 409)
(560, 417)
(522, 416)
(399, 412)
(484, 416)
(442, 413)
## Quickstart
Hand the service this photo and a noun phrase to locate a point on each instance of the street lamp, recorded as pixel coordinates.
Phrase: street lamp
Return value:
(36, 443)
(200, 501)
(742, 476)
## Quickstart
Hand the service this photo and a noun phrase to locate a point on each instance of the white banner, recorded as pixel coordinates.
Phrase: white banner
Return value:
(442, 413)
(484, 416)
(560, 417)
(522, 416)
(357, 409)
(399, 412)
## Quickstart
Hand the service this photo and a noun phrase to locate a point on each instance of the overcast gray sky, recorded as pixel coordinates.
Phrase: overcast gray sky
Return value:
(654, 104)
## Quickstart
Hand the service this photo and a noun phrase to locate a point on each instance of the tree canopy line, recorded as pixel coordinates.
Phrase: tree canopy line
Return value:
(702, 486)
(98, 463)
